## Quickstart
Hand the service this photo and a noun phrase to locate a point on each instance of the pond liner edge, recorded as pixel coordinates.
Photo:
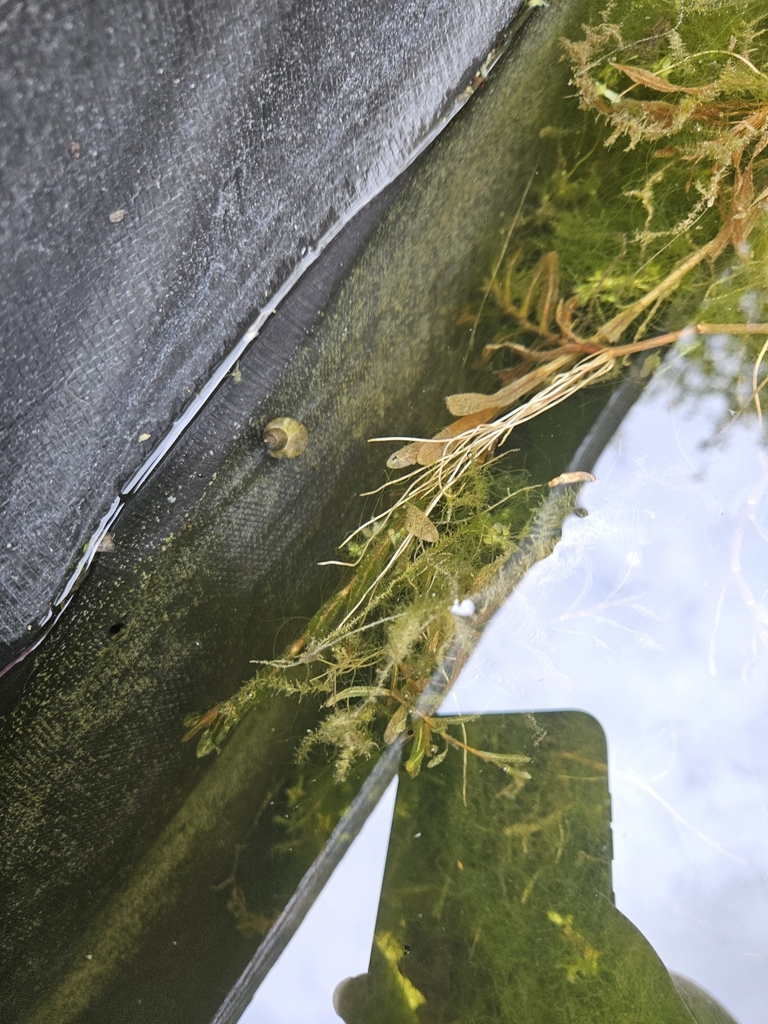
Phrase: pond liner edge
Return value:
(65, 592)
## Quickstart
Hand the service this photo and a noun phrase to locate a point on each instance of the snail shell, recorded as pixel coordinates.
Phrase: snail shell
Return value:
(285, 438)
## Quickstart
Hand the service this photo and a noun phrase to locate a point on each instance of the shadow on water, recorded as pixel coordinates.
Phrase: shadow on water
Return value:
(497, 904)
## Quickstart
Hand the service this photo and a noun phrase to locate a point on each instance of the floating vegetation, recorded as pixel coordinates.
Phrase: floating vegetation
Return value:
(644, 227)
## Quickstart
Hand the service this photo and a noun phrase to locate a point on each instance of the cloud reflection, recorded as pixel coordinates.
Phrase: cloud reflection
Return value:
(651, 615)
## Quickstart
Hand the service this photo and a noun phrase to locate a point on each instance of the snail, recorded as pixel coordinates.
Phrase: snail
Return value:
(285, 438)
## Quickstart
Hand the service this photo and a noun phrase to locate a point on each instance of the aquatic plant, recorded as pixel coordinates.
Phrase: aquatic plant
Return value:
(622, 244)
(370, 650)
(647, 229)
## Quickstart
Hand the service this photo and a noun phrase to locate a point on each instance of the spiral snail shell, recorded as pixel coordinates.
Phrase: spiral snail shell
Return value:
(285, 438)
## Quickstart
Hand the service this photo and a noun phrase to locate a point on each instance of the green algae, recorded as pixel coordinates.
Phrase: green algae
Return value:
(588, 203)
(496, 903)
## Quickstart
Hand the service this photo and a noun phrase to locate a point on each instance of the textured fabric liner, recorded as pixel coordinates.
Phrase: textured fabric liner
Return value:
(164, 169)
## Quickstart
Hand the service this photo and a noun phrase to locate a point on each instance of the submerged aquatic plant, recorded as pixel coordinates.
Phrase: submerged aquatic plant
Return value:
(626, 252)
(649, 229)
(371, 649)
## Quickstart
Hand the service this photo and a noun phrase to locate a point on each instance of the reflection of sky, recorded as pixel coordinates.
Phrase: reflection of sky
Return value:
(334, 940)
(652, 614)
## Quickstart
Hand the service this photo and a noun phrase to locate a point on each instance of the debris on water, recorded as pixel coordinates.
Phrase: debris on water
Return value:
(464, 609)
(572, 478)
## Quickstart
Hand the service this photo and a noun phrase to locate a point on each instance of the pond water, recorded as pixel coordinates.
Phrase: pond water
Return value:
(144, 876)
(651, 615)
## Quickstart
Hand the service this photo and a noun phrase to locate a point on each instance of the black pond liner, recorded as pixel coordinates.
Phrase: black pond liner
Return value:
(166, 171)
(115, 835)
